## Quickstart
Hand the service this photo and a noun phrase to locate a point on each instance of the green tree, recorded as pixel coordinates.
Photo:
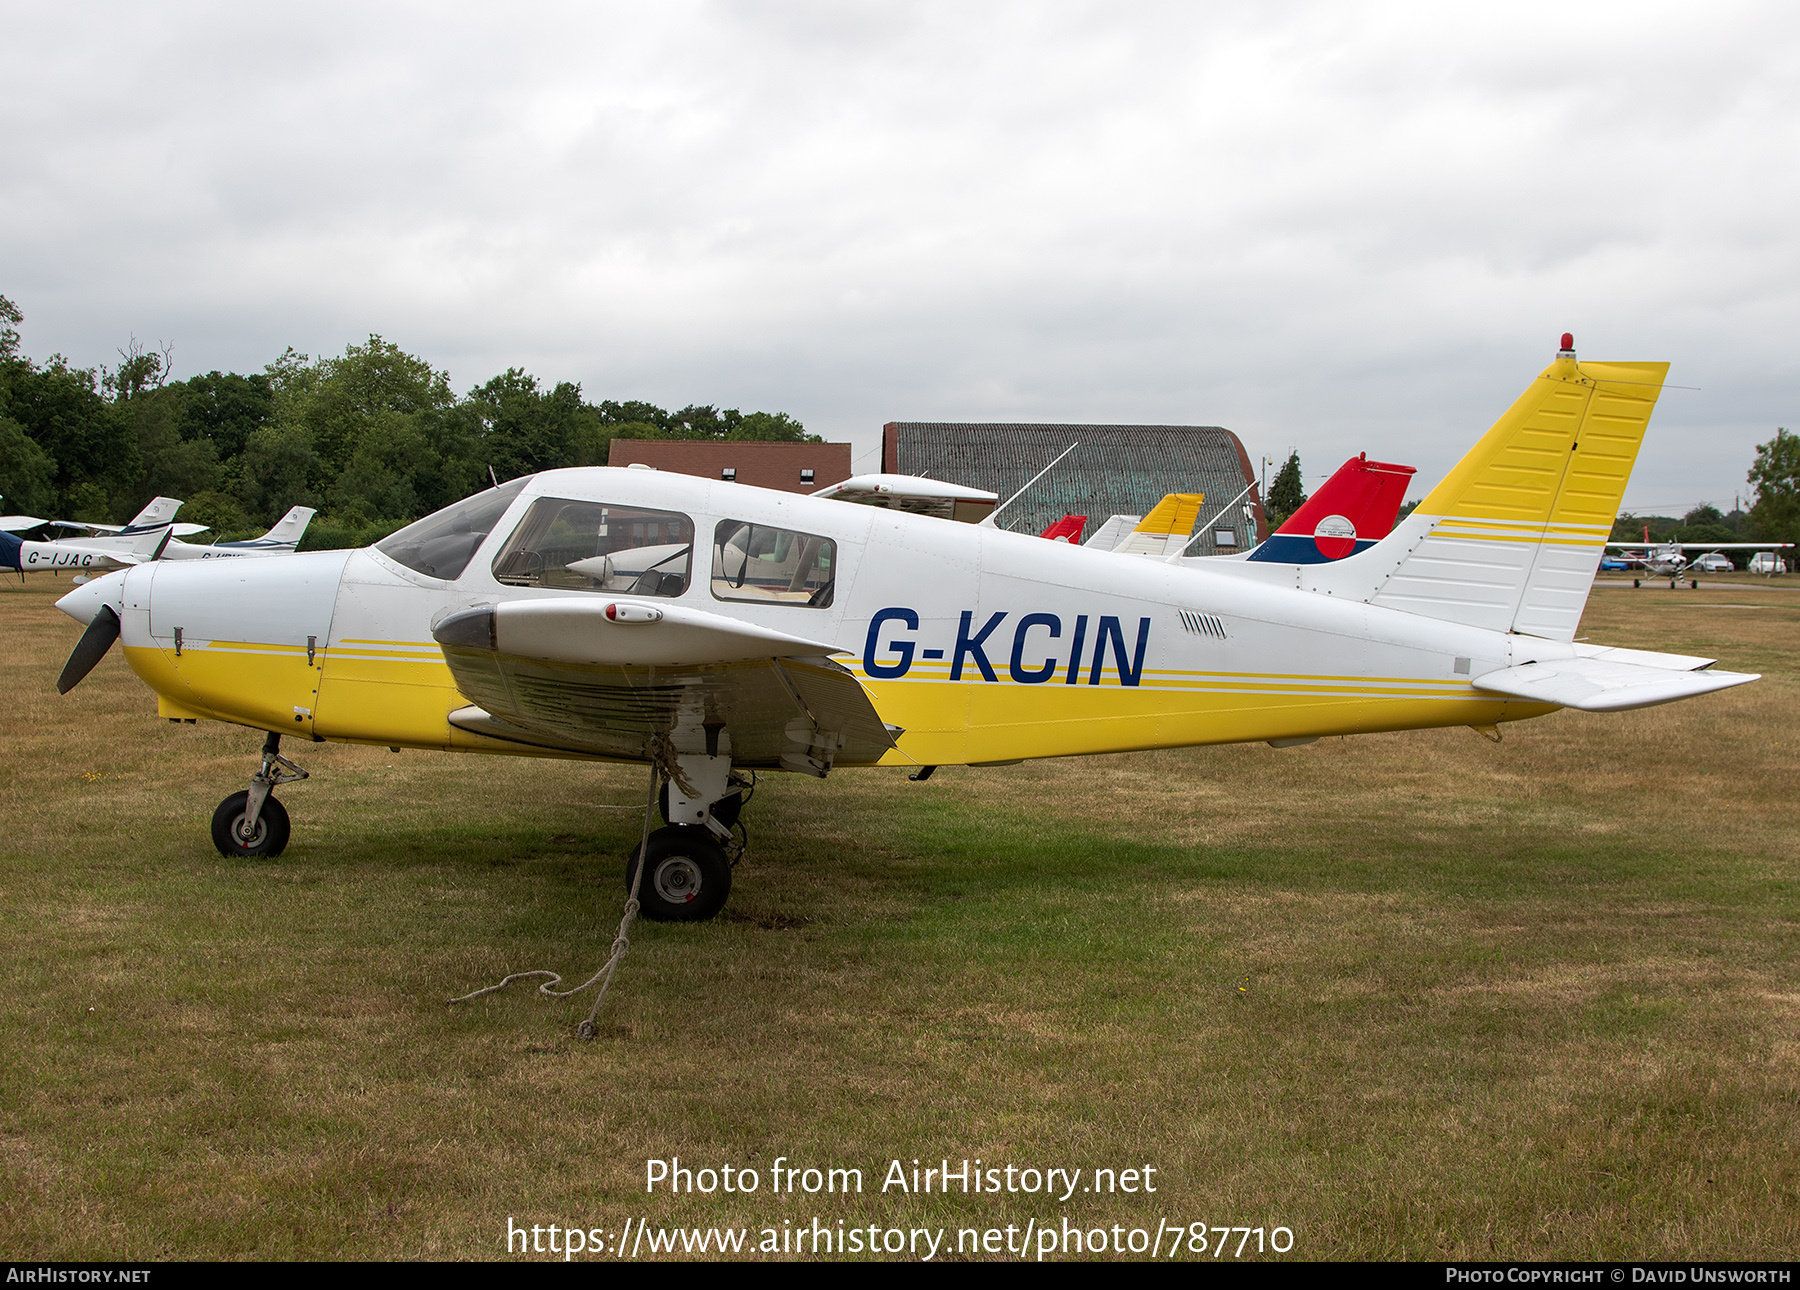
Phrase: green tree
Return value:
(224, 408)
(337, 399)
(61, 408)
(10, 318)
(1775, 515)
(27, 474)
(275, 471)
(525, 428)
(223, 514)
(1705, 523)
(1285, 495)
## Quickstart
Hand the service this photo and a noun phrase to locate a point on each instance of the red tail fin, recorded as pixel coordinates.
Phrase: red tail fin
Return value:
(1353, 509)
(1067, 529)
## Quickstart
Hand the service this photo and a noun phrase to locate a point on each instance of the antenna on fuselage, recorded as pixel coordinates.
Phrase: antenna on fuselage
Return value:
(994, 514)
(492, 476)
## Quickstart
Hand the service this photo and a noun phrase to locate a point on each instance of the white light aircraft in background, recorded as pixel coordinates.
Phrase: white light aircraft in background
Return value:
(79, 558)
(157, 513)
(1670, 559)
(281, 539)
(769, 631)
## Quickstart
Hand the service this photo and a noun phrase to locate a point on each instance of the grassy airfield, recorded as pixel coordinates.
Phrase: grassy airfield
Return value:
(1411, 996)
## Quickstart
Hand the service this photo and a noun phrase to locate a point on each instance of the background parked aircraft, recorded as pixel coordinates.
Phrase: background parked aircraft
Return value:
(158, 512)
(281, 539)
(1670, 559)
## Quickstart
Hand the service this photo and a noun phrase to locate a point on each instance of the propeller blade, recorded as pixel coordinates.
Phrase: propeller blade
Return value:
(90, 649)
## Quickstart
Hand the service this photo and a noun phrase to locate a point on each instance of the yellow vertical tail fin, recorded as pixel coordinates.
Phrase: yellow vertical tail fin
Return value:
(1168, 525)
(1511, 538)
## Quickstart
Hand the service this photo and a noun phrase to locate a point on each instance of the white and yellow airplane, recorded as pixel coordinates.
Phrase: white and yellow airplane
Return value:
(767, 631)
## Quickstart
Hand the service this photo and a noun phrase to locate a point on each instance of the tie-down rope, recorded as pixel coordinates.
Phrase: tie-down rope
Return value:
(621, 943)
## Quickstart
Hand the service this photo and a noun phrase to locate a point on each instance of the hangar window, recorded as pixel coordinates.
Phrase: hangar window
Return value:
(758, 563)
(567, 545)
(441, 544)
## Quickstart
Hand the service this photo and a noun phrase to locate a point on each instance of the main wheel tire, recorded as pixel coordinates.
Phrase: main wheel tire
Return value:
(687, 878)
(270, 838)
(725, 810)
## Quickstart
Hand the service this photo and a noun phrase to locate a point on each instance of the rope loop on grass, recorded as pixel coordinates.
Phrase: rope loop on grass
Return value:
(621, 945)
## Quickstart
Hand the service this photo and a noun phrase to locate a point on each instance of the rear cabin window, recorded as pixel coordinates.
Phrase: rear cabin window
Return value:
(755, 562)
(594, 546)
(441, 544)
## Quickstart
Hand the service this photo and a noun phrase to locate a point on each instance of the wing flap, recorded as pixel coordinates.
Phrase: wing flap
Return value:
(1604, 685)
(760, 712)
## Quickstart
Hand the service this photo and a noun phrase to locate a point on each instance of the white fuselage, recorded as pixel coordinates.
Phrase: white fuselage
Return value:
(983, 645)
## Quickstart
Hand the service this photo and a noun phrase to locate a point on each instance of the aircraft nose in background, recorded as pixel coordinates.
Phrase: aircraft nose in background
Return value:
(88, 599)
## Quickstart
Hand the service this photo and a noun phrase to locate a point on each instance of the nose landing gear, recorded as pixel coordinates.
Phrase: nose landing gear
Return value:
(252, 823)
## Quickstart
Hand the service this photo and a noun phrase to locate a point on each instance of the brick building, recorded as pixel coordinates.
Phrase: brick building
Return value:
(790, 467)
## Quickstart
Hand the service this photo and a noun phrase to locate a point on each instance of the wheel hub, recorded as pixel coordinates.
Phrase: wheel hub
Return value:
(677, 880)
(248, 835)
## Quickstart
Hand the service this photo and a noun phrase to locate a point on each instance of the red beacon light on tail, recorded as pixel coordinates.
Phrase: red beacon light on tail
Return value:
(1568, 345)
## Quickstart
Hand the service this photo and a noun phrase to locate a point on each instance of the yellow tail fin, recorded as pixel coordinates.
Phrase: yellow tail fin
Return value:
(1511, 538)
(1167, 526)
(1561, 455)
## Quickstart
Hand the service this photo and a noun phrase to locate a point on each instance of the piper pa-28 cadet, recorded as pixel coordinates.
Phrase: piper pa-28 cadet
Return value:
(711, 628)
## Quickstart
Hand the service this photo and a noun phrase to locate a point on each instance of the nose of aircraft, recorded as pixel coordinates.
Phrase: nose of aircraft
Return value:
(90, 598)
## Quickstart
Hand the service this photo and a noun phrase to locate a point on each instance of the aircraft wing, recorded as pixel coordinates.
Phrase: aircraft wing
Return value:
(19, 523)
(1698, 546)
(605, 677)
(1601, 682)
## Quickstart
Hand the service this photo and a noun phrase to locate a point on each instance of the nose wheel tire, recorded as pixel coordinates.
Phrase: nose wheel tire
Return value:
(687, 878)
(237, 841)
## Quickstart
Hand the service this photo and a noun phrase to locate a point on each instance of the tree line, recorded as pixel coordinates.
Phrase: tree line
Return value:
(373, 438)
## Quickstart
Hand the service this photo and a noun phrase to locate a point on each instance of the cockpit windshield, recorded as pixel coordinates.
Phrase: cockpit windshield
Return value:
(441, 544)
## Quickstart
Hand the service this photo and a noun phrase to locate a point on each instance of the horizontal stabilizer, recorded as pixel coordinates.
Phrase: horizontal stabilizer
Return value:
(1596, 684)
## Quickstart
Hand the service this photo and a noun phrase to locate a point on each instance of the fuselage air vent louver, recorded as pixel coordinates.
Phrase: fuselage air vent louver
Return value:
(1204, 624)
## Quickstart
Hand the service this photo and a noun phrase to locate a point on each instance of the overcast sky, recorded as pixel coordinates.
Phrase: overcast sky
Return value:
(1334, 227)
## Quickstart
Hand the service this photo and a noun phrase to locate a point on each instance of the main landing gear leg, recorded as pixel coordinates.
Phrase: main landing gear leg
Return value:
(253, 823)
(688, 876)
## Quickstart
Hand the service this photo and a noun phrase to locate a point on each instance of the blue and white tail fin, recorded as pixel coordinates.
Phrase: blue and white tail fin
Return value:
(284, 536)
(159, 512)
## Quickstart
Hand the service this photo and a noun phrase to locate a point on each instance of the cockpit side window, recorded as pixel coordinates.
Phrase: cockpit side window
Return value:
(755, 562)
(441, 544)
(595, 546)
